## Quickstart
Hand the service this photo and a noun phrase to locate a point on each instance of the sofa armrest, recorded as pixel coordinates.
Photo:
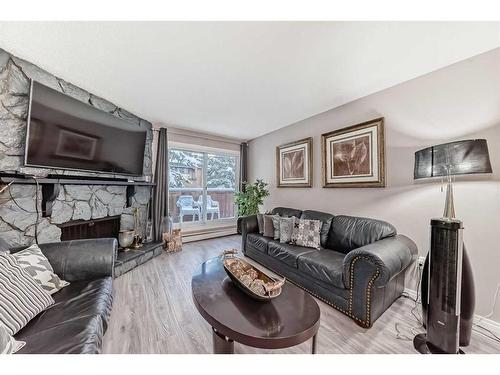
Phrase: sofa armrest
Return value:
(391, 256)
(82, 259)
(247, 224)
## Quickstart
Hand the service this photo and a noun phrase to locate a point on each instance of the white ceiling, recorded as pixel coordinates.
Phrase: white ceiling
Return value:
(241, 79)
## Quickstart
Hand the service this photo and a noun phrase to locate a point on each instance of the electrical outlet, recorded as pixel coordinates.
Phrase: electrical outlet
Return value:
(420, 262)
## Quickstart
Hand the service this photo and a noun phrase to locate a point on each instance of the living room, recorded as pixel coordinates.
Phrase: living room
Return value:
(289, 187)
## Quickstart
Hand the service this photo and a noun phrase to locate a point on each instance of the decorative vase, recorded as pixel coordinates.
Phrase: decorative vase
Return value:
(167, 224)
(126, 237)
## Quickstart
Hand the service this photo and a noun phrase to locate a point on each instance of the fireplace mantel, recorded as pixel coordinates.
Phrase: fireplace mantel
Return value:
(51, 186)
(80, 180)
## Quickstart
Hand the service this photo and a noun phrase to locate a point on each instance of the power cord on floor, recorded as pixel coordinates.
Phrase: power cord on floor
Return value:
(490, 334)
(490, 314)
(400, 335)
(417, 300)
(413, 330)
(485, 330)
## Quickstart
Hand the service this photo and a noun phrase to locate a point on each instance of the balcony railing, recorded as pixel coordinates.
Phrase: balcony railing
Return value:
(222, 197)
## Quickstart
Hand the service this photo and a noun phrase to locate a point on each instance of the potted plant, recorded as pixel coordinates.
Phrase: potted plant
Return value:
(249, 200)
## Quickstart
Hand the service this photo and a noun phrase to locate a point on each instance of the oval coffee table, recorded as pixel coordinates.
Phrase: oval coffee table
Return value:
(288, 320)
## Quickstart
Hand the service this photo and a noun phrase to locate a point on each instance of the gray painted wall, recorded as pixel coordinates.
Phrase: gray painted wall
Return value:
(458, 102)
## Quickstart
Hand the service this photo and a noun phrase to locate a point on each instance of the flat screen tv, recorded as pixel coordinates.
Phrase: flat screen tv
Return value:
(65, 133)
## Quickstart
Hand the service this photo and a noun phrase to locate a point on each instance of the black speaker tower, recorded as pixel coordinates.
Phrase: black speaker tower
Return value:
(442, 289)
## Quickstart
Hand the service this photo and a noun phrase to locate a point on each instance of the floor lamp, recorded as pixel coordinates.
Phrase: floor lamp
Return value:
(447, 287)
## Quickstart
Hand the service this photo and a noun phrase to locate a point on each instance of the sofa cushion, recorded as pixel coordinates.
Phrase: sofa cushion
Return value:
(287, 212)
(75, 323)
(348, 232)
(326, 266)
(76, 336)
(287, 253)
(326, 221)
(258, 241)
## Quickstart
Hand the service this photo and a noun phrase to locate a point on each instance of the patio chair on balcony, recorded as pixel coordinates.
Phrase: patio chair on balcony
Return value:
(212, 206)
(188, 206)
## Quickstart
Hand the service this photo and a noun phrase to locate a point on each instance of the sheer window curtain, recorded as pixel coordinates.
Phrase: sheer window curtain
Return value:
(160, 192)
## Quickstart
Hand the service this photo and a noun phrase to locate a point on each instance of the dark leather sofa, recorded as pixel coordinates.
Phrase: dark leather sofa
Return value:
(359, 269)
(76, 323)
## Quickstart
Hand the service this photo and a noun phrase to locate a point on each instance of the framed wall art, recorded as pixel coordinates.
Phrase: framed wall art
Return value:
(294, 164)
(354, 156)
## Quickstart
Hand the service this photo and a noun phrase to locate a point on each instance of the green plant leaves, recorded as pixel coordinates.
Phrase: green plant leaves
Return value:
(251, 198)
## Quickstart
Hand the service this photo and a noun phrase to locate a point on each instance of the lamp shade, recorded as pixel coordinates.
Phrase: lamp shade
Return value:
(454, 158)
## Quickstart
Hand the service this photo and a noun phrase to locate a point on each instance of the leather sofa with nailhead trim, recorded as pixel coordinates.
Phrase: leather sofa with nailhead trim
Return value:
(359, 269)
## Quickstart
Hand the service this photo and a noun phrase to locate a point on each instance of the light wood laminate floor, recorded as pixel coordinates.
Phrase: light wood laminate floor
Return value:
(153, 312)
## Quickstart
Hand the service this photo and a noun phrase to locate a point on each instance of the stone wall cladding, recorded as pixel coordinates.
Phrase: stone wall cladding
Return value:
(17, 222)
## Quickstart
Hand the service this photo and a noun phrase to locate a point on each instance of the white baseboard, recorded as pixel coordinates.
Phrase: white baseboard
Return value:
(205, 235)
(489, 324)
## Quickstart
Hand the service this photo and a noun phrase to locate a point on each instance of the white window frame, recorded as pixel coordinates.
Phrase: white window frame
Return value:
(203, 223)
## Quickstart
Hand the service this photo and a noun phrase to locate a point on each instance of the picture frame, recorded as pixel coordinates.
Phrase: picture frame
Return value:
(294, 165)
(354, 157)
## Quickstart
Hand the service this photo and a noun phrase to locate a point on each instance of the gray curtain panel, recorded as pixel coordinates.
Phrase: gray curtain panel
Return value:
(243, 164)
(160, 191)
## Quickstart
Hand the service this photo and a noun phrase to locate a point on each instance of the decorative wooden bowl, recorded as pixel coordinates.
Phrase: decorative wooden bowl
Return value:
(249, 279)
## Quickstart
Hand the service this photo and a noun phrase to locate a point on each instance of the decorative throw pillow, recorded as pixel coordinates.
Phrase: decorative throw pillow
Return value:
(21, 297)
(260, 223)
(276, 225)
(7, 343)
(268, 226)
(37, 265)
(306, 233)
(286, 229)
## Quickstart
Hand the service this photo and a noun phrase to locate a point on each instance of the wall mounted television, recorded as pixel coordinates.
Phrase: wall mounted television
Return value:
(65, 133)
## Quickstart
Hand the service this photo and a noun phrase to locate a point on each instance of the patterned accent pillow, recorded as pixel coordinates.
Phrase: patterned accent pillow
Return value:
(286, 229)
(7, 343)
(21, 297)
(276, 226)
(37, 265)
(306, 233)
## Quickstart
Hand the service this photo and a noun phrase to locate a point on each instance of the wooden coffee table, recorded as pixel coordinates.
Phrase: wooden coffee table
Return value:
(288, 320)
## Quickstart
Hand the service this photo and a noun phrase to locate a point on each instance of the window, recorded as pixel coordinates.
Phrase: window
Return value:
(202, 185)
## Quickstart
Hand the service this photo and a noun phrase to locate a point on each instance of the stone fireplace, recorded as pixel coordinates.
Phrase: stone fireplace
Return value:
(90, 198)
